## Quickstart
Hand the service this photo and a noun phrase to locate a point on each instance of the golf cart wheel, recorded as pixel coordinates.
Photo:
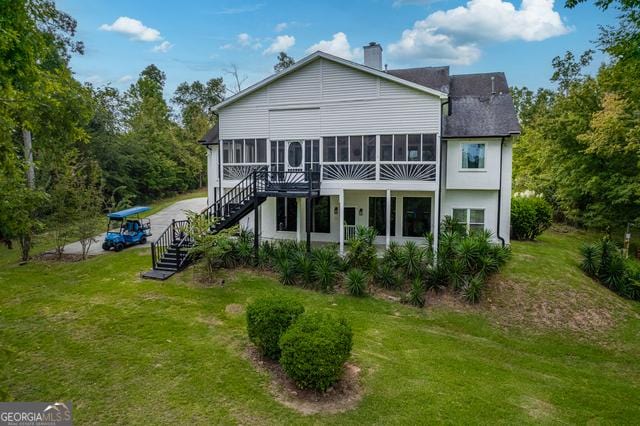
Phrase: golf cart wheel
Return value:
(118, 247)
(143, 240)
(105, 246)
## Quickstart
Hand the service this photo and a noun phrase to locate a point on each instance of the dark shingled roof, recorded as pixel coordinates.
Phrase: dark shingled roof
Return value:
(475, 111)
(211, 138)
(432, 77)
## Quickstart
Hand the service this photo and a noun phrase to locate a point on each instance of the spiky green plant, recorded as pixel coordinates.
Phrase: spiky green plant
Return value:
(356, 280)
(287, 272)
(472, 290)
(412, 259)
(386, 276)
(392, 254)
(590, 263)
(304, 266)
(325, 274)
(416, 296)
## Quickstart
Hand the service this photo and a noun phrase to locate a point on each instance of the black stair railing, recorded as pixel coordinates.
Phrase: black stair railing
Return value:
(224, 208)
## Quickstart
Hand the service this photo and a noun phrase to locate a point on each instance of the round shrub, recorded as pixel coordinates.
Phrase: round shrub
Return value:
(314, 350)
(268, 319)
(530, 217)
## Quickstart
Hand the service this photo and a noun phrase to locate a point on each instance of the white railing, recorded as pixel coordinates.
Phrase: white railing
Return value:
(349, 232)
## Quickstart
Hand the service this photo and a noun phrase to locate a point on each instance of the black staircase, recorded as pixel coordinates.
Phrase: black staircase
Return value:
(170, 252)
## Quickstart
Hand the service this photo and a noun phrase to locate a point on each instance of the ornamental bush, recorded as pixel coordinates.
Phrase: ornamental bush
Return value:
(314, 350)
(268, 319)
(530, 217)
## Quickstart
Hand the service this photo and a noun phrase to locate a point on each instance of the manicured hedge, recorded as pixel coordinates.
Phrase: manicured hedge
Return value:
(314, 350)
(530, 217)
(268, 319)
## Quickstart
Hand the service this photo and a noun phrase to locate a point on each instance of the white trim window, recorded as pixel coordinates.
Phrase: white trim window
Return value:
(244, 151)
(408, 148)
(473, 155)
(349, 149)
(472, 219)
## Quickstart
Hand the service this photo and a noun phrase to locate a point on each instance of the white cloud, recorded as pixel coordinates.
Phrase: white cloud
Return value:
(455, 35)
(338, 46)
(243, 40)
(162, 47)
(133, 28)
(281, 44)
(281, 27)
(125, 79)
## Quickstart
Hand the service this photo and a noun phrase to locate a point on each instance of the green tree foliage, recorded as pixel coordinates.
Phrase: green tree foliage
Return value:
(580, 145)
(284, 62)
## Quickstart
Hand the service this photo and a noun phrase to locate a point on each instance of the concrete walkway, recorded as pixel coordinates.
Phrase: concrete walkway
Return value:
(159, 222)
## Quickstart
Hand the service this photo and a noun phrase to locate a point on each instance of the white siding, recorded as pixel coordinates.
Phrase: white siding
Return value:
(294, 123)
(473, 199)
(349, 102)
(487, 178)
(301, 86)
(337, 83)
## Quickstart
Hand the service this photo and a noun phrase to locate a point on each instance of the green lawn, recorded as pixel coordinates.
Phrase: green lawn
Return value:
(126, 350)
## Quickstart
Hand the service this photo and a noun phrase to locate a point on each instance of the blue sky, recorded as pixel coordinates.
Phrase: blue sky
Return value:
(198, 40)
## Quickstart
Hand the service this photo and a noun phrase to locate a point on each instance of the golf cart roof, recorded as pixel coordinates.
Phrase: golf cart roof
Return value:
(128, 212)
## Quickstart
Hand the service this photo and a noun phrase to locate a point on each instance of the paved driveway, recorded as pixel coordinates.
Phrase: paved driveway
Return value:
(159, 222)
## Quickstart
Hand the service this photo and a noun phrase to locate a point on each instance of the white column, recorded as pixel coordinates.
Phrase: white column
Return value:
(341, 210)
(388, 219)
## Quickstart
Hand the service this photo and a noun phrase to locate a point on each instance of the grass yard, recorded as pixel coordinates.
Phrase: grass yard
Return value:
(124, 350)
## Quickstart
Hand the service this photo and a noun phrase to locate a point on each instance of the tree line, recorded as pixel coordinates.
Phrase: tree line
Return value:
(580, 143)
(69, 151)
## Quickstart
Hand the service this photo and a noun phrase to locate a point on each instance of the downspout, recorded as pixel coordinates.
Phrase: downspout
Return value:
(500, 196)
(448, 102)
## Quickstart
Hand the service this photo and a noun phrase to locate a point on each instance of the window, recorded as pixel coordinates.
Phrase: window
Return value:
(250, 150)
(413, 150)
(321, 216)
(238, 150)
(378, 215)
(311, 154)
(399, 147)
(428, 147)
(355, 148)
(473, 155)
(227, 151)
(329, 149)
(370, 148)
(286, 214)
(295, 154)
(244, 151)
(472, 219)
(386, 148)
(261, 150)
(416, 220)
(343, 148)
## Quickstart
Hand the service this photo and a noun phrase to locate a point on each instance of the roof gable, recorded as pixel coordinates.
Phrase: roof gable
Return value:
(314, 56)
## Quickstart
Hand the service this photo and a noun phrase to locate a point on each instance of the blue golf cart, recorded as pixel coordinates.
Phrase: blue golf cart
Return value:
(125, 228)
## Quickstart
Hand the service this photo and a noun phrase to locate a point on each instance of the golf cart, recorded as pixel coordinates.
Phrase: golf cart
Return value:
(123, 231)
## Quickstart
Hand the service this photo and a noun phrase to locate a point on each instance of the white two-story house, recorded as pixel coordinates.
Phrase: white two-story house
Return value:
(353, 144)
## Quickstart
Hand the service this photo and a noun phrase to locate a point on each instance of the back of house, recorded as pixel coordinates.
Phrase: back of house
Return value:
(397, 150)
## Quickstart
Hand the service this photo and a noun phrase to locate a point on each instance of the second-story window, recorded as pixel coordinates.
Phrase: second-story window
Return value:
(411, 147)
(473, 155)
(348, 149)
(239, 151)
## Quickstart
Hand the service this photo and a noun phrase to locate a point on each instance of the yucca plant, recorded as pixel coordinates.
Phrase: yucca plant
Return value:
(304, 266)
(386, 276)
(356, 280)
(472, 289)
(325, 274)
(244, 251)
(416, 295)
(361, 252)
(436, 278)
(451, 226)
(392, 254)
(412, 258)
(287, 272)
(469, 252)
(590, 263)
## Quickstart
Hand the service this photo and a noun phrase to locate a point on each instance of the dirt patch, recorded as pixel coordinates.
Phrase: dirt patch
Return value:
(209, 320)
(343, 396)
(234, 309)
(66, 257)
(550, 308)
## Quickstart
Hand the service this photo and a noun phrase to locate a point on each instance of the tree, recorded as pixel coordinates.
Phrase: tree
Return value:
(284, 62)
(237, 79)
